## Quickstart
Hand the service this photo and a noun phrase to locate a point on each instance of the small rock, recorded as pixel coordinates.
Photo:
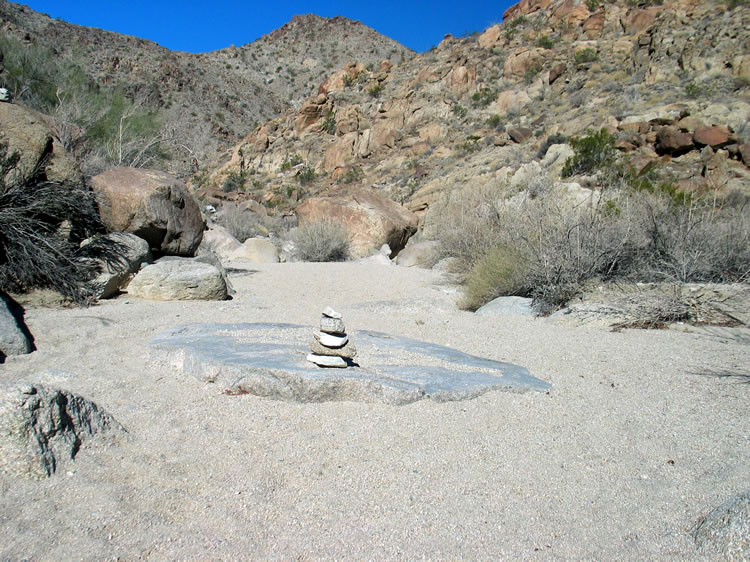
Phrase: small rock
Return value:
(520, 134)
(257, 250)
(348, 351)
(179, 279)
(327, 361)
(331, 341)
(333, 326)
(330, 313)
(507, 306)
(15, 338)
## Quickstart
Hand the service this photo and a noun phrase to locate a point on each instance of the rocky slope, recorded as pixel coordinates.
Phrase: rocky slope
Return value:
(671, 81)
(211, 100)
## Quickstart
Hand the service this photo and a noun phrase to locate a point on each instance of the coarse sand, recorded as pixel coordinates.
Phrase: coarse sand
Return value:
(633, 443)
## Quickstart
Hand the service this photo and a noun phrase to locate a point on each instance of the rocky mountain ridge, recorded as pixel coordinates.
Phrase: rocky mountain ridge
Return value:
(671, 81)
(212, 99)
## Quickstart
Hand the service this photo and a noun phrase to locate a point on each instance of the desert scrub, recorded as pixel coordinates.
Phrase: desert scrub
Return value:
(321, 241)
(586, 55)
(500, 272)
(241, 223)
(483, 97)
(593, 153)
(41, 226)
(557, 138)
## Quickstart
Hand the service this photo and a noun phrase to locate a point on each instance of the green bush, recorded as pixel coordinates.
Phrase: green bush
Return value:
(322, 241)
(545, 42)
(586, 55)
(329, 124)
(375, 91)
(353, 175)
(483, 97)
(593, 153)
(306, 175)
(459, 111)
(500, 272)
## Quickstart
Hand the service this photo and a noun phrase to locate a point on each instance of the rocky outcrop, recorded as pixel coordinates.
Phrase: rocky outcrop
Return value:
(30, 135)
(179, 279)
(118, 257)
(15, 337)
(42, 428)
(370, 220)
(152, 205)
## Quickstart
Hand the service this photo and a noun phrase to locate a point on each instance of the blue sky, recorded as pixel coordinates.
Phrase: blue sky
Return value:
(189, 25)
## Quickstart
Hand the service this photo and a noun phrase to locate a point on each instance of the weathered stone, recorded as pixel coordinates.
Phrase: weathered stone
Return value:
(327, 361)
(715, 137)
(490, 36)
(269, 360)
(744, 152)
(726, 530)
(218, 240)
(348, 351)
(329, 340)
(333, 326)
(328, 311)
(15, 337)
(179, 279)
(43, 427)
(520, 134)
(670, 140)
(29, 134)
(256, 250)
(557, 155)
(507, 306)
(119, 256)
(417, 254)
(370, 219)
(523, 60)
(153, 205)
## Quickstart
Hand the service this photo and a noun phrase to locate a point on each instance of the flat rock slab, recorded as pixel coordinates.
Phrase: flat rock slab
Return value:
(270, 360)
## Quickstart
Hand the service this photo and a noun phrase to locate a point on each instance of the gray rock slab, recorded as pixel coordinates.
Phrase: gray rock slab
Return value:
(508, 306)
(42, 427)
(726, 530)
(270, 360)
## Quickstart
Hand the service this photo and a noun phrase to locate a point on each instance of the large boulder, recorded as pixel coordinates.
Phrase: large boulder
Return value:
(152, 205)
(370, 220)
(218, 240)
(42, 427)
(118, 257)
(30, 134)
(256, 250)
(179, 279)
(15, 337)
(418, 254)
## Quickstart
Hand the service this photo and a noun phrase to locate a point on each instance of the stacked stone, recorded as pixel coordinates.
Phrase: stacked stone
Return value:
(331, 346)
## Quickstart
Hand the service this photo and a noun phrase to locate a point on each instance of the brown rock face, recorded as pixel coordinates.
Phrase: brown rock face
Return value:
(29, 133)
(715, 137)
(520, 134)
(670, 140)
(153, 205)
(370, 220)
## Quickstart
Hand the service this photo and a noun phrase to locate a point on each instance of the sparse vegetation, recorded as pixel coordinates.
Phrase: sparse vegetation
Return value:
(483, 97)
(557, 245)
(241, 223)
(586, 55)
(593, 152)
(322, 241)
(557, 138)
(375, 91)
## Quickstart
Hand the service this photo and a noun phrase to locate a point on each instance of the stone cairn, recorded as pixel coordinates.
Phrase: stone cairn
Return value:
(331, 346)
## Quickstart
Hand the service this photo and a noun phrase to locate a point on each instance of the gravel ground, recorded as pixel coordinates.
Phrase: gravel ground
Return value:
(618, 461)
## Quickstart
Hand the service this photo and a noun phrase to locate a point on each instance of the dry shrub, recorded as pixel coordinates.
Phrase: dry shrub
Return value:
(557, 246)
(41, 226)
(325, 240)
(242, 223)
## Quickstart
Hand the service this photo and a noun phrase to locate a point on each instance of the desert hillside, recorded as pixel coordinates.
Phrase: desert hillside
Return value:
(205, 102)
